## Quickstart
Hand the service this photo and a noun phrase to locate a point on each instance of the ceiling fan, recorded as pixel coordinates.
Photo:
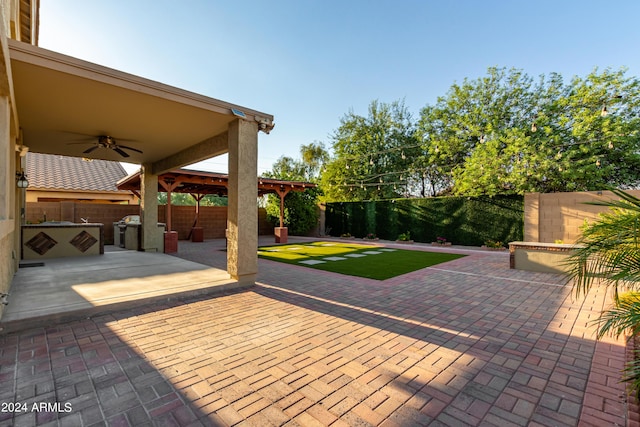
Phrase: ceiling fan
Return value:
(106, 141)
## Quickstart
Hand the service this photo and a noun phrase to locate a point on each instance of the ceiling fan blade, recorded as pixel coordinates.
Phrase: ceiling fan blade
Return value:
(119, 151)
(90, 149)
(130, 148)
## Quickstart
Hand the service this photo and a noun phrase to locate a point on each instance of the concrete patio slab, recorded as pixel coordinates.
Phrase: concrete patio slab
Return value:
(68, 288)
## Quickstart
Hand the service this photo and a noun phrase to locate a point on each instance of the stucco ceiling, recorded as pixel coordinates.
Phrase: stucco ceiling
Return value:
(64, 103)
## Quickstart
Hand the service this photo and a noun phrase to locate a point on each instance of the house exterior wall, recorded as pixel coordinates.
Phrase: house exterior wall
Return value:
(10, 202)
(549, 217)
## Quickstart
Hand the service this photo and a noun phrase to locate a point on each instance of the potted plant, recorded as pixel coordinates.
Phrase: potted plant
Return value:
(370, 236)
(404, 238)
(441, 241)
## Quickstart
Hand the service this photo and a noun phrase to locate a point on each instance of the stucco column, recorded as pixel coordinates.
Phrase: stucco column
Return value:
(151, 237)
(242, 216)
(531, 217)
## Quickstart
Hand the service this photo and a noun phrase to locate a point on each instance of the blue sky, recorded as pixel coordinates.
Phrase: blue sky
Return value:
(309, 62)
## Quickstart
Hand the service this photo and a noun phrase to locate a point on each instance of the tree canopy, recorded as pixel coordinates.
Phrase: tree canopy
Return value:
(504, 133)
(373, 155)
(300, 208)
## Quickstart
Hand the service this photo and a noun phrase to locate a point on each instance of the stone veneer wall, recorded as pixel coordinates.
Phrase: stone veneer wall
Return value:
(549, 217)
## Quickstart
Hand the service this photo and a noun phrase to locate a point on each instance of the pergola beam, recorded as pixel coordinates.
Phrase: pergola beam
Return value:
(200, 182)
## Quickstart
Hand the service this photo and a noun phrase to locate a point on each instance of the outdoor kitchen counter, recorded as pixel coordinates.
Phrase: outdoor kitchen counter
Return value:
(61, 239)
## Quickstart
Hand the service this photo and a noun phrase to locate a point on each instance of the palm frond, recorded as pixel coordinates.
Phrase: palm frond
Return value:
(632, 374)
(623, 317)
(609, 254)
(609, 250)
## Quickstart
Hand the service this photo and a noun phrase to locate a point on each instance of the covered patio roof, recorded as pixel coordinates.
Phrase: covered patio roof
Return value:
(65, 104)
(199, 182)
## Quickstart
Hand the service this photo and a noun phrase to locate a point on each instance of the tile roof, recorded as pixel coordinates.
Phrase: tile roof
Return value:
(57, 172)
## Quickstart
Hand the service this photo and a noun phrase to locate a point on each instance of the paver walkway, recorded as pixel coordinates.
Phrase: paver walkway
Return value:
(468, 342)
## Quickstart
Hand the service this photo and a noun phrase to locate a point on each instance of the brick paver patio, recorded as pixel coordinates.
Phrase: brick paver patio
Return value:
(468, 342)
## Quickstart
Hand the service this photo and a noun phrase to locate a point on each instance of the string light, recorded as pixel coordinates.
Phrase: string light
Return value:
(424, 148)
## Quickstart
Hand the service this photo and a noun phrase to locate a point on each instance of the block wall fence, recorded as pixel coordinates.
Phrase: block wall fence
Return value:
(549, 217)
(213, 219)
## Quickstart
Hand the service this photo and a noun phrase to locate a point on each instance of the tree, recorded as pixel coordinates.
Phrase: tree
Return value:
(314, 156)
(300, 211)
(300, 208)
(373, 156)
(505, 134)
(610, 255)
(185, 199)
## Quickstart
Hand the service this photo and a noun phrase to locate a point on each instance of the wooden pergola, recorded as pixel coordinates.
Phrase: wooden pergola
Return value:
(200, 184)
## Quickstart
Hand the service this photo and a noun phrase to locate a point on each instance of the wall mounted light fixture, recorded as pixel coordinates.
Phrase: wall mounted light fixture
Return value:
(21, 180)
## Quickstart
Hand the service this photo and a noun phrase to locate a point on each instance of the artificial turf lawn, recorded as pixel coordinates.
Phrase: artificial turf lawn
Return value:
(380, 266)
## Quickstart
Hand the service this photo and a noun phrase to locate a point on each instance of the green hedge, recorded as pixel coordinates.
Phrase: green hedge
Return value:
(461, 220)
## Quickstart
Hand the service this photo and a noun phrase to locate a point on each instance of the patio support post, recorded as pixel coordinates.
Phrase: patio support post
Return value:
(242, 210)
(151, 238)
(282, 193)
(282, 232)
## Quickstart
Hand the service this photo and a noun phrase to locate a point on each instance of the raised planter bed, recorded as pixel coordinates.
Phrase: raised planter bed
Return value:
(540, 257)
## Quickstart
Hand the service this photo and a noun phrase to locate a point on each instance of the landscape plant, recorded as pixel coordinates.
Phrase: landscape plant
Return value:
(494, 244)
(609, 255)
(404, 237)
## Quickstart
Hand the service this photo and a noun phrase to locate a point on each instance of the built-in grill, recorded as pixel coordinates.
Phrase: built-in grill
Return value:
(122, 226)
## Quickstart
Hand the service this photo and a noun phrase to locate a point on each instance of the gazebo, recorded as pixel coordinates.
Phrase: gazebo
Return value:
(199, 184)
